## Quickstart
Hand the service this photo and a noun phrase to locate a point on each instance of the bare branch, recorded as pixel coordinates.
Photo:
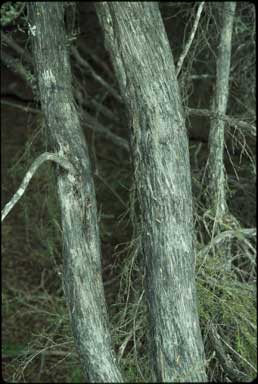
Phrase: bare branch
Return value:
(20, 106)
(189, 43)
(225, 360)
(249, 128)
(85, 64)
(96, 126)
(16, 66)
(88, 121)
(99, 61)
(16, 47)
(37, 163)
(230, 234)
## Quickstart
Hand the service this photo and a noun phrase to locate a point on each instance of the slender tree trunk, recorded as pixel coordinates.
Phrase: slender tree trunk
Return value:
(217, 177)
(81, 243)
(140, 52)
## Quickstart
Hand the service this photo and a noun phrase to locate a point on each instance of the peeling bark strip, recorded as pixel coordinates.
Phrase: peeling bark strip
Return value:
(81, 243)
(135, 36)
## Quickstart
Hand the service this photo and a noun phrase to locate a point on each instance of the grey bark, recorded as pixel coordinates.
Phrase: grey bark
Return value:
(140, 52)
(217, 177)
(81, 243)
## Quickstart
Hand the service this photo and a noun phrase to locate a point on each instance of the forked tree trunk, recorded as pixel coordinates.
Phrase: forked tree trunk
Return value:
(81, 243)
(141, 55)
(217, 177)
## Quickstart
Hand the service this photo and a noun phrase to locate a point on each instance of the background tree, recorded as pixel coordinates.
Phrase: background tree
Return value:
(217, 182)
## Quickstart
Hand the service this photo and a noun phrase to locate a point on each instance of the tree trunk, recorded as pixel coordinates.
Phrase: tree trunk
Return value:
(140, 52)
(81, 243)
(217, 180)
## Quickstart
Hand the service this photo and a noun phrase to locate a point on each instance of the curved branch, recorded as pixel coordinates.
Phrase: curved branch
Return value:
(25, 182)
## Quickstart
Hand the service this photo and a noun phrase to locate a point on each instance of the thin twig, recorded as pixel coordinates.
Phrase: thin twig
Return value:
(43, 350)
(88, 120)
(239, 356)
(96, 126)
(17, 67)
(37, 163)
(16, 47)
(21, 107)
(86, 65)
(225, 360)
(111, 189)
(99, 61)
(230, 234)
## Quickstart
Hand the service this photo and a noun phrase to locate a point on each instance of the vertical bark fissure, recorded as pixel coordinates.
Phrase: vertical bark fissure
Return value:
(217, 177)
(81, 243)
(140, 52)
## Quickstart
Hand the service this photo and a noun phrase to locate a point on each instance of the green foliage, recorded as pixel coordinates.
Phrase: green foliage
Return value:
(77, 376)
(10, 11)
(12, 350)
(231, 305)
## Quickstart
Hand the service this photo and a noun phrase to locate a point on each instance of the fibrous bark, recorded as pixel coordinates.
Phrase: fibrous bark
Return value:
(217, 178)
(81, 243)
(140, 52)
